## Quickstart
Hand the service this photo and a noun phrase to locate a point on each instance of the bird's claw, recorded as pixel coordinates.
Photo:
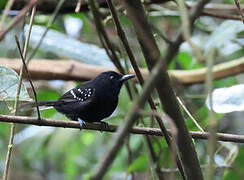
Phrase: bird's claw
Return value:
(82, 123)
(104, 126)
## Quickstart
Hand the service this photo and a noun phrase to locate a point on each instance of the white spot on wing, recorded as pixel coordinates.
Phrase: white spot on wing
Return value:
(83, 94)
(73, 94)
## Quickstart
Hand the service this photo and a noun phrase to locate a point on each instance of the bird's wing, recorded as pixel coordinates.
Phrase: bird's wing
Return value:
(78, 95)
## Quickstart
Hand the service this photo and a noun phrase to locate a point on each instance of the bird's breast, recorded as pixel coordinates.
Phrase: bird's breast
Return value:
(108, 104)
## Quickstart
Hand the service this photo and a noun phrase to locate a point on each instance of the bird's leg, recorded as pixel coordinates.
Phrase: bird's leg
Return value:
(104, 124)
(82, 123)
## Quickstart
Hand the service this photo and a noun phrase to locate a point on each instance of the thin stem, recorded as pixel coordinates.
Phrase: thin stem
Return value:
(106, 42)
(213, 124)
(28, 76)
(189, 114)
(239, 10)
(78, 5)
(50, 22)
(124, 40)
(17, 18)
(16, 107)
(5, 12)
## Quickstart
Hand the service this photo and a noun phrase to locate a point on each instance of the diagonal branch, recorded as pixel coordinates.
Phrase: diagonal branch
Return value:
(28, 76)
(128, 123)
(17, 18)
(151, 53)
(124, 40)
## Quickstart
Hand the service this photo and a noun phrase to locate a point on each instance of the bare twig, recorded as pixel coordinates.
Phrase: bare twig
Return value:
(106, 42)
(111, 128)
(5, 12)
(78, 5)
(111, 53)
(174, 134)
(50, 22)
(202, 167)
(124, 40)
(128, 123)
(16, 104)
(239, 10)
(189, 114)
(29, 78)
(213, 124)
(186, 29)
(17, 18)
(129, 150)
(221, 16)
(154, 158)
(160, 34)
(152, 55)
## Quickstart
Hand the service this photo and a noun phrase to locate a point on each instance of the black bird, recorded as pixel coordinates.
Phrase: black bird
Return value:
(92, 101)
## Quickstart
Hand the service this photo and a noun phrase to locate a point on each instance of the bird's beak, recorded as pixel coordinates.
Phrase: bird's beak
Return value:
(126, 77)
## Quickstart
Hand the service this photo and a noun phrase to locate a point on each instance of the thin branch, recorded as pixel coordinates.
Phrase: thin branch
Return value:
(221, 16)
(33, 12)
(160, 34)
(50, 22)
(16, 104)
(5, 12)
(17, 18)
(111, 53)
(111, 128)
(239, 10)
(174, 153)
(213, 124)
(128, 123)
(129, 151)
(106, 42)
(186, 29)
(152, 55)
(124, 40)
(78, 5)
(154, 159)
(189, 114)
(29, 78)
(166, 170)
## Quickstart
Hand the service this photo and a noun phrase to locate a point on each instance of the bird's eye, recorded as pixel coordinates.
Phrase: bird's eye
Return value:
(112, 77)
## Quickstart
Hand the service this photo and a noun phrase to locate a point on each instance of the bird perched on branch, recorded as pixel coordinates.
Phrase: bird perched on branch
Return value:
(92, 101)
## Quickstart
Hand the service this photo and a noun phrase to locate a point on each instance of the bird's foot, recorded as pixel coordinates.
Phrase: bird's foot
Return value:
(82, 123)
(104, 125)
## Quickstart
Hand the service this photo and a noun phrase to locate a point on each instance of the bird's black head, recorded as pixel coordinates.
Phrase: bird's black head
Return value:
(112, 80)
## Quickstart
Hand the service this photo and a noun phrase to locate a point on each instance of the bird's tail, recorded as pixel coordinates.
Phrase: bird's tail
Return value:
(31, 104)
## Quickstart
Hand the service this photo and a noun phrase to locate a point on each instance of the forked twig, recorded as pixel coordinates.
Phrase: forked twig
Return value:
(28, 77)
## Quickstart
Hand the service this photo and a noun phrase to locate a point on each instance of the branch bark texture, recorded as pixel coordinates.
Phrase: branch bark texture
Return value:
(151, 53)
(76, 71)
(111, 128)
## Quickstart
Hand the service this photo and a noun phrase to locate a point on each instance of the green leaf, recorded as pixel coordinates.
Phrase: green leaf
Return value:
(47, 94)
(3, 3)
(139, 165)
(187, 62)
(9, 85)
